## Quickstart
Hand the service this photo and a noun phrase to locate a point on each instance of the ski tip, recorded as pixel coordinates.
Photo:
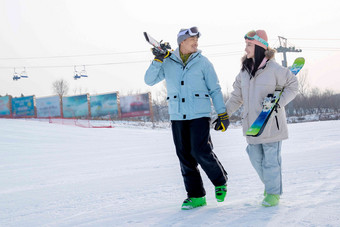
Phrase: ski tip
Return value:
(297, 65)
(300, 60)
(146, 36)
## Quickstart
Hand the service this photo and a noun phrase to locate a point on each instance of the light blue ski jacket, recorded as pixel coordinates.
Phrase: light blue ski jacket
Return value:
(190, 87)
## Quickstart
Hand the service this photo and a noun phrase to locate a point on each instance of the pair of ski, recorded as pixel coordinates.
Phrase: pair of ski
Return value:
(161, 47)
(270, 102)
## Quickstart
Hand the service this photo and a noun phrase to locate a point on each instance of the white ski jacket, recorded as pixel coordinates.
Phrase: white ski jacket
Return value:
(251, 91)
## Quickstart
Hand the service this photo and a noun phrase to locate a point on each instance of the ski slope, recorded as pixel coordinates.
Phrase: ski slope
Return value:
(59, 175)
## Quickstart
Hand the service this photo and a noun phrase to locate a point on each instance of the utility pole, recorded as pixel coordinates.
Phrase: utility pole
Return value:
(283, 48)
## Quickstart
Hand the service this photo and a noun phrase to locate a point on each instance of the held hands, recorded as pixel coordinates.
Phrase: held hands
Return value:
(222, 122)
(160, 55)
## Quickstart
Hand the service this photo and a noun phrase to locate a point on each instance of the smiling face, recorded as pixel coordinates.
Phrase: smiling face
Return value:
(250, 49)
(189, 45)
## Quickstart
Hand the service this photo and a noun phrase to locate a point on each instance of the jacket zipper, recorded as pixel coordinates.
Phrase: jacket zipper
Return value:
(277, 123)
(184, 65)
(183, 68)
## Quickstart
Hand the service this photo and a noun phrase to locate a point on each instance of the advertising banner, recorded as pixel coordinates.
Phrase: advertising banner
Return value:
(135, 105)
(23, 106)
(103, 105)
(5, 106)
(48, 107)
(75, 106)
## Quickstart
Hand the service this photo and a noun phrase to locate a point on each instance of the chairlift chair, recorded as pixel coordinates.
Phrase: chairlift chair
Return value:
(83, 72)
(23, 74)
(76, 74)
(16, 75)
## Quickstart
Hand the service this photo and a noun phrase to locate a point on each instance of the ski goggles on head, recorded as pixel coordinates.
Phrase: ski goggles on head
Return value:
(193, 31)
(253, 36)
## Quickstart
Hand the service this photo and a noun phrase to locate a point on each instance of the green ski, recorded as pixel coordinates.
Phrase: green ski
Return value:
(270, 103)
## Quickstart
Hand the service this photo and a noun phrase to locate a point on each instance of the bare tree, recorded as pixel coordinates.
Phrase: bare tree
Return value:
(161, 95)
(160, 104)
(80, 90)
(303, 83)
(60, 87)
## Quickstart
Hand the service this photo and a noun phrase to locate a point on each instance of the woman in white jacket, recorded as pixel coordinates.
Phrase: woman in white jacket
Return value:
(259, 76)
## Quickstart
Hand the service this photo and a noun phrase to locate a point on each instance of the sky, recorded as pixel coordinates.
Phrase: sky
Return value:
(50, 39)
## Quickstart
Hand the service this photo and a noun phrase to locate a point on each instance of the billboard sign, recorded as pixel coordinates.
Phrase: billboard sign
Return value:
(135, 105)
(48, 107)
(23, 106)
(103, 105)
(75, 106)
(5, 106)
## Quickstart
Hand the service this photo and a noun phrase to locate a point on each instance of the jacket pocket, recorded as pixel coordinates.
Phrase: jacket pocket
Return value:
(244, 120)
(270, 128)
(273, 127)
(173, 103)
(202, 102)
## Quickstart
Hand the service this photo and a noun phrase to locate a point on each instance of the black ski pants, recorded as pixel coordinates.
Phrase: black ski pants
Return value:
(193, 146)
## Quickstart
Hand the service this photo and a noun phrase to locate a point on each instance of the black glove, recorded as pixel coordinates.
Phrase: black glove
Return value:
(222, 122)
(160, 55)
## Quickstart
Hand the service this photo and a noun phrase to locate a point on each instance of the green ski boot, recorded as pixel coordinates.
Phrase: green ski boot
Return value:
(191, 203)
(220, 193)
(271, 200)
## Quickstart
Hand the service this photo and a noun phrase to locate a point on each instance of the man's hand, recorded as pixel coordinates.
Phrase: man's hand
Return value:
(222, 122)
(159, 56)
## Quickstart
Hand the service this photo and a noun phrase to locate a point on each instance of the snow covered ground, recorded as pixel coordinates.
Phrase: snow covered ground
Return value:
(61, 175)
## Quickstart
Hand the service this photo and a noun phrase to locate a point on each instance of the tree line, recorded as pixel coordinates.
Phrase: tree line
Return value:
(322, 104)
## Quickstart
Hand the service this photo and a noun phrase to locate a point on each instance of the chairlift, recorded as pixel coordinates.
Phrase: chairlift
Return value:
(16, 75)
(23, 74)
(83, 72)
(76, 74)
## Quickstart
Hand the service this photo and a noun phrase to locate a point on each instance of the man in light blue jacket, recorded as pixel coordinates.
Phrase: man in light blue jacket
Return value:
(191, 84)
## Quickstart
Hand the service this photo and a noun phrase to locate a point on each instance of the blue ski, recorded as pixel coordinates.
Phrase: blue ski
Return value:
(270, 103)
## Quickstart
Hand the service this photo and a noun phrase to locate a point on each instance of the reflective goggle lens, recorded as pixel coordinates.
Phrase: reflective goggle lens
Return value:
(250, 34)
(193, 31)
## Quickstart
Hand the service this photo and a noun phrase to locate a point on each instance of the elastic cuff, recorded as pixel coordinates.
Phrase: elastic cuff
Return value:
(158, 60)
(167, 54)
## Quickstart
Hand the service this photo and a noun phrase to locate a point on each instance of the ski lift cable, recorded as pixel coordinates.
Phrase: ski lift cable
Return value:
(145, 61)
(142, 51)
(102, 54)
(72, 56)
(87, 65)
(315, 39)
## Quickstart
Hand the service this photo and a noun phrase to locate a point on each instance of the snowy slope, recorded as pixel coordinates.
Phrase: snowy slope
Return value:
(58, 175)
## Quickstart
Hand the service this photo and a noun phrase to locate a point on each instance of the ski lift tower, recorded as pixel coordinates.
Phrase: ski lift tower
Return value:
(283, 48)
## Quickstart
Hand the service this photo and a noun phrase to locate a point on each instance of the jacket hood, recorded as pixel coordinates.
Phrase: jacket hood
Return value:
(269, 53)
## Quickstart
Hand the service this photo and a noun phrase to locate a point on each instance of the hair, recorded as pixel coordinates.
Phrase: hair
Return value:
(248, 63)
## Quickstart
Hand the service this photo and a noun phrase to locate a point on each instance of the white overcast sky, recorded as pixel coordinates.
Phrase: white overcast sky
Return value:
(49, 37)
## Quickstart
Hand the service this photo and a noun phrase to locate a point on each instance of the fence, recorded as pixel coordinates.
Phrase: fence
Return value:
(77, 108)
